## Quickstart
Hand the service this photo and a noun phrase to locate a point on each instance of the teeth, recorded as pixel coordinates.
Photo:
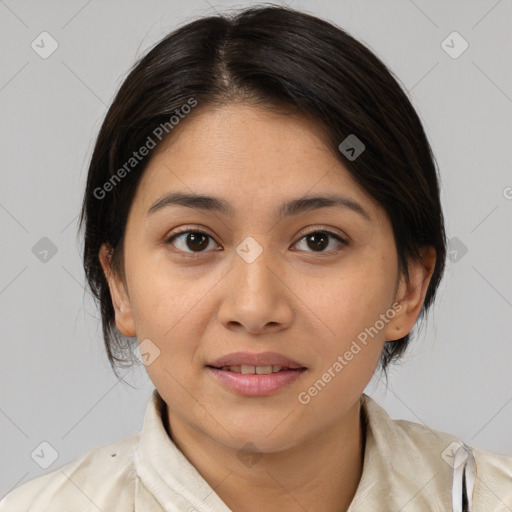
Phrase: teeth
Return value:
(235, 369)
(263, 370)
(249, 369)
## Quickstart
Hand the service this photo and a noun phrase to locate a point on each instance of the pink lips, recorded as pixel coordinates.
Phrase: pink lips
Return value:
(255, 384)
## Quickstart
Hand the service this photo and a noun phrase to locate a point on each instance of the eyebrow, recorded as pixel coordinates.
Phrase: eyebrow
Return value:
(293, 207)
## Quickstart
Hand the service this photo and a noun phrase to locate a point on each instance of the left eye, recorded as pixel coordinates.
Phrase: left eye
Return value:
(198, 241)
(319, 240)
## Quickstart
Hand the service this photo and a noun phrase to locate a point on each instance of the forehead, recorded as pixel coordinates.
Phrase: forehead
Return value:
(248, 154)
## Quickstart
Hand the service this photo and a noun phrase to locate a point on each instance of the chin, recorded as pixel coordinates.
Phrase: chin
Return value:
(267, 434)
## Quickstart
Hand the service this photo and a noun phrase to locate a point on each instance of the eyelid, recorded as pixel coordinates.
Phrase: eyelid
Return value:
(324, 229)
(196, 228)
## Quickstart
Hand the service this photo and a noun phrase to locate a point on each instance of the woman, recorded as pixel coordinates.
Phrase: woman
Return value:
(262, 215)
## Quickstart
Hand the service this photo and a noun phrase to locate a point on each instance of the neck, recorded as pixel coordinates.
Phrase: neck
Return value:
(322, 473)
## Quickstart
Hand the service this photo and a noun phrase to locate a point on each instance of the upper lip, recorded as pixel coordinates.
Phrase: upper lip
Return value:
(254, 359)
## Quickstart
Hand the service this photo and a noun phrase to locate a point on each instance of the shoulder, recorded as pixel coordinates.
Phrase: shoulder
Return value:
(487, 462)
(431, 443)
(102, 476)
(409, 448)
(493, 486)
(398, 437)
(494, 465)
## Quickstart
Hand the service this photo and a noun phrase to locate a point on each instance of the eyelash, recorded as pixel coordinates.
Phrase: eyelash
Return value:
(170, 239)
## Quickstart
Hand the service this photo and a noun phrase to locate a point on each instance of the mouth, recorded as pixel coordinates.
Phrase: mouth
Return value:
(250, 362)
(255, 374)
(246, 369)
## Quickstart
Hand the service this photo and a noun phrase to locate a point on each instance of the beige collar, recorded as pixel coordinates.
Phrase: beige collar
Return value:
(404, 468)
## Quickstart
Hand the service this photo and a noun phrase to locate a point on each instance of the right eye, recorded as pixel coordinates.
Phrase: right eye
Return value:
(194, 242)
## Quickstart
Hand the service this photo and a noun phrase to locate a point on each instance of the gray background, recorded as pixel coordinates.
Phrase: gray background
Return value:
(55, 379)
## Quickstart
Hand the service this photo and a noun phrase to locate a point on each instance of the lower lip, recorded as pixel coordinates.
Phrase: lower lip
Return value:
(254, 384)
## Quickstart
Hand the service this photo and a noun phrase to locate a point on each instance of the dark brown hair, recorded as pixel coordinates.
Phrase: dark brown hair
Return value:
(270, 56)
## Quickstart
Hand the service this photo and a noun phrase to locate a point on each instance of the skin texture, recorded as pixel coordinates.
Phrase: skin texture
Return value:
(305, 303)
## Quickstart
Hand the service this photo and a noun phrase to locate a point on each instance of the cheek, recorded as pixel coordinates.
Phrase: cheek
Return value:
(157, 297)
(350, 299)
(168, 303)
(350, 304)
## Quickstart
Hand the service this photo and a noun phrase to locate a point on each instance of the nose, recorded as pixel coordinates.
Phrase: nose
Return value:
(256, 296)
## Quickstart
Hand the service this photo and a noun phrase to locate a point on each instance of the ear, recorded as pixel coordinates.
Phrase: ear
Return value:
(122, 306)
(411, 294)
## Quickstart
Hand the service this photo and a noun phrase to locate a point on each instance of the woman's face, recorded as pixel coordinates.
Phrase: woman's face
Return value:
(255, 281)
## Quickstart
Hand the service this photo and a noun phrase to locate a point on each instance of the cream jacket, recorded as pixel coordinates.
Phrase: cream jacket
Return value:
(407, 467)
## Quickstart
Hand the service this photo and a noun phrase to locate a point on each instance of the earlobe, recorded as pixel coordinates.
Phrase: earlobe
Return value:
(120, 299)
(411, 294)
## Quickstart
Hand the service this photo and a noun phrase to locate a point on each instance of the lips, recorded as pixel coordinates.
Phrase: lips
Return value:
(262, 359)
(254, 375)
(258, 370)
